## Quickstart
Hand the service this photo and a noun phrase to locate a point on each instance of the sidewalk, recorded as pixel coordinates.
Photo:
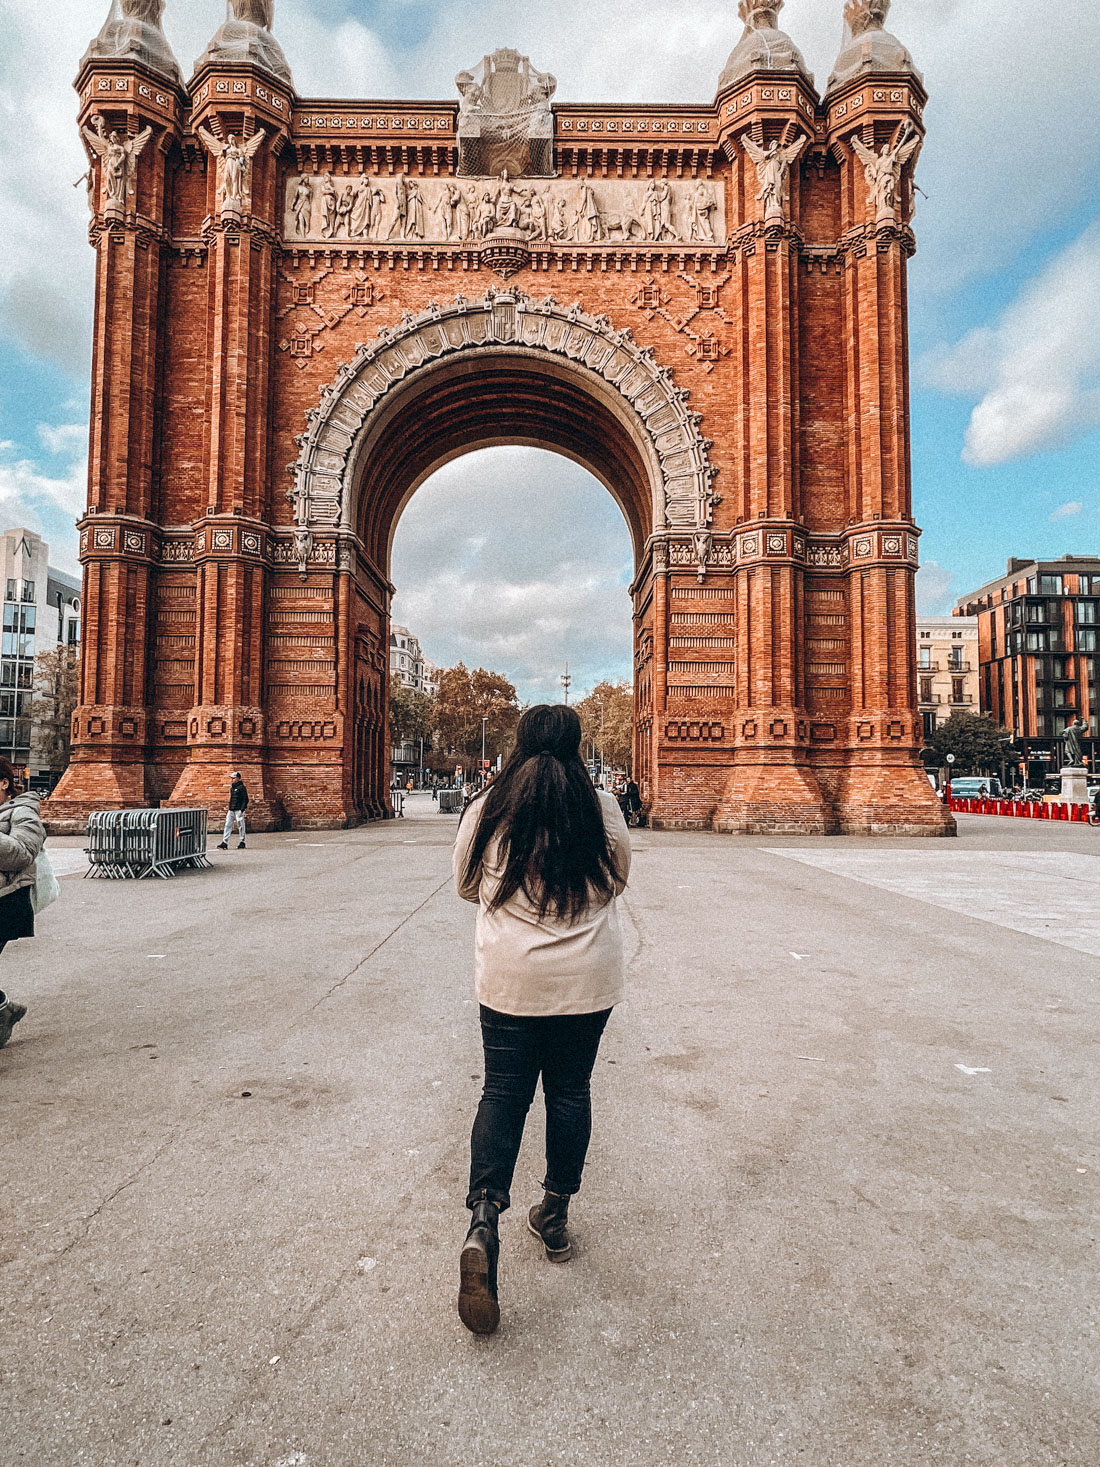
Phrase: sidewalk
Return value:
(840, 1207)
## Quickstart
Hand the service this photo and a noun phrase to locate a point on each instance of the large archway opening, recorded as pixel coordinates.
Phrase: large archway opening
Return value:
(471, 375)
(517, 561)
(424, 439)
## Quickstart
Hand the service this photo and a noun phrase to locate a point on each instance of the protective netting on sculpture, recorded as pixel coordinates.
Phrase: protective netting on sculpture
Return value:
(521, 156)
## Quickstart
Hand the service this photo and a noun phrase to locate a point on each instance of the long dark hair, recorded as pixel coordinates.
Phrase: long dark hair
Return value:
(547, 816)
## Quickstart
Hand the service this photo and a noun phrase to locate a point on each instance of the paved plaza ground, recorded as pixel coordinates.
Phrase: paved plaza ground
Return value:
(840, 1208)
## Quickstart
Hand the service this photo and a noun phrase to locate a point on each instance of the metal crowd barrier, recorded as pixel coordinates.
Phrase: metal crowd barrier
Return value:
(451, 802)
(398, 799)
(131, 844)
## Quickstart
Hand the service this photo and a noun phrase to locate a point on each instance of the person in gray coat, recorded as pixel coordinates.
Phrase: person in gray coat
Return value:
(22, 836)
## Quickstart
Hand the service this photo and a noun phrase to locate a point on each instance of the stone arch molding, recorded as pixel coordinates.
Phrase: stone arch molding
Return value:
(664, 426)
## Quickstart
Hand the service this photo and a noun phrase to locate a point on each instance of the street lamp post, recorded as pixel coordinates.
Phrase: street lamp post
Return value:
(484, 721)
(950, 762)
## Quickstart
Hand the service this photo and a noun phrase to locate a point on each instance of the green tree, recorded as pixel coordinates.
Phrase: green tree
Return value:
(974, 739)
(607, 722)
(412, 715)
(57, 678)
(464, 699)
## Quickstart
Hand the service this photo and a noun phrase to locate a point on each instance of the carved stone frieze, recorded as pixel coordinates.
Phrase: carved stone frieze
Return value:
(499, 319)
(323, 210)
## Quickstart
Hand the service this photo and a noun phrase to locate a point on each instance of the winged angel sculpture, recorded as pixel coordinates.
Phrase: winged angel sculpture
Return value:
(773, 169)
(883, 171)
(118, 155)
(234, 166)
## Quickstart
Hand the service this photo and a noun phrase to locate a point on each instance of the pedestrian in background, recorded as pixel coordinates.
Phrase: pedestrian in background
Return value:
(22, 836)
(238, 804)
(544, 856)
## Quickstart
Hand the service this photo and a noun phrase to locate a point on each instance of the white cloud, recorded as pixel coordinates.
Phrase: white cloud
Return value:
(935, 586)
(1066, 511)
(47, 498)
(68, 439)
(1037, 371)
(519, 561)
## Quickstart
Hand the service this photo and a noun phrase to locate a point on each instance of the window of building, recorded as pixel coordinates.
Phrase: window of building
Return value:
(1036, 611)
(955, 657)
(10, 596)
(1031, 585)
(1086, 640)
(956, 636)
(925, 636)
(1050, 585)
(74, 634)
(957, 690)
(1038, 641)
(925, 656)
(926, 690)
(1086, 613)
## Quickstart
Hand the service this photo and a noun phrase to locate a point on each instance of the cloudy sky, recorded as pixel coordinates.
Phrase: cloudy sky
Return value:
(1005, 291)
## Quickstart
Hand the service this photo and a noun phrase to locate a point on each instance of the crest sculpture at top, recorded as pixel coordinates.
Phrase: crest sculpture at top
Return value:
(504, 118)
(133, 29)
(246, 36)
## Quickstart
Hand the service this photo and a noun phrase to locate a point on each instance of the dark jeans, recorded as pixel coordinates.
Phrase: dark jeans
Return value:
(518, 1049)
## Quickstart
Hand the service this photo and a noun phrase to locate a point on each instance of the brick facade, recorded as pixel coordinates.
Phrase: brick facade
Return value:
(231, 624)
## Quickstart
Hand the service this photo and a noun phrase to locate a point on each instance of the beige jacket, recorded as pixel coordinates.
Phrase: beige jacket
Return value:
(526, 966)
(21, 838)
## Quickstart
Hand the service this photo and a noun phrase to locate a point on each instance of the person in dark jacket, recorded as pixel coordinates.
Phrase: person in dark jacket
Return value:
(22, 835)
(238, 804)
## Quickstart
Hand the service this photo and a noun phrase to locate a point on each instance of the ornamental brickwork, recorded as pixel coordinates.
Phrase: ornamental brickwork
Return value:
(303, 309)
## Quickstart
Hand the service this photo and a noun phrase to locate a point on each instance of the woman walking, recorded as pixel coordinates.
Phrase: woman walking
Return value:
(21, 838)
(544, 857)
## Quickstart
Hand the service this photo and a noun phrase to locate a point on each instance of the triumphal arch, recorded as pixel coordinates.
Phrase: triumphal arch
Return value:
(304, 308)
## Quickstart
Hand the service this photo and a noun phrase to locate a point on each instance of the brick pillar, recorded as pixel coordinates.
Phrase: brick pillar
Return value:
(882, 787)
(226, 726)
(117, 539)
(772, 785)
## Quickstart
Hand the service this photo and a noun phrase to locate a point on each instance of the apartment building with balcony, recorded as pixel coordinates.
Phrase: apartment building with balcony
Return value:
(947, 668)
(1039, 654)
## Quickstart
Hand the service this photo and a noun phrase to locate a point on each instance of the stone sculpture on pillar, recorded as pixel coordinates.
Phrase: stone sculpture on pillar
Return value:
(868, 47)
(763, 47)
(246, 37)
(118, 157)
(1075, 784)
(504, 118)
(234, 170)
(883, 171)
(133, 31)
(1075, 756)
(773, 169)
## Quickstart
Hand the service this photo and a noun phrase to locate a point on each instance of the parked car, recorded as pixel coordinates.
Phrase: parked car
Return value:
(972, 787)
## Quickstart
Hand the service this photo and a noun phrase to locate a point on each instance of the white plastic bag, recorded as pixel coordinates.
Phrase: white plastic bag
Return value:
(45, 889)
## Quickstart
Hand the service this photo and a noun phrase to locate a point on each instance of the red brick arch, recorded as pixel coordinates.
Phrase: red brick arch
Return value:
(770, 511)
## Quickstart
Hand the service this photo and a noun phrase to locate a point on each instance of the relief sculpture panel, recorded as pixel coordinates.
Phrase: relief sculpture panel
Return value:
(366, 209)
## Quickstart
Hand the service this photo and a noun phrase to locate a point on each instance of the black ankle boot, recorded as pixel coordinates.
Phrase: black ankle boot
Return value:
(548, 1221)
(477, 1295)
(10, 1014)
